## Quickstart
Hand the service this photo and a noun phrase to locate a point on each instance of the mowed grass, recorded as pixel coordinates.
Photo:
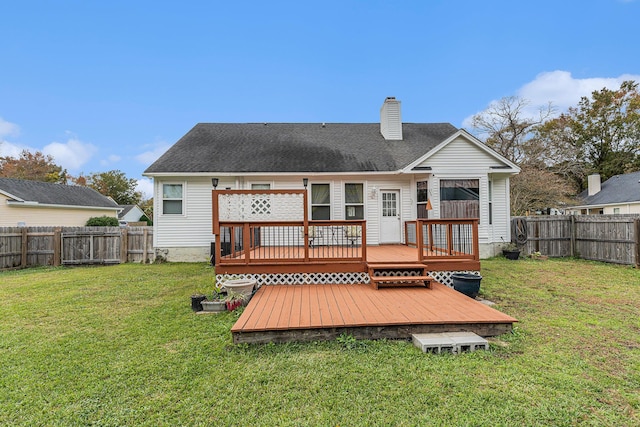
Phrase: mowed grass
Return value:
(120, 345)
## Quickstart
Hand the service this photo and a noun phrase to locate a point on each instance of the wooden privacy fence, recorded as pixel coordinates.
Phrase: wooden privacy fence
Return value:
(22, 247)
(608, 238)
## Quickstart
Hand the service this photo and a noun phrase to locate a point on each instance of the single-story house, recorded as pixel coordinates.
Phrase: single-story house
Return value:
(35, 203)
(385, 173)
(620, 194)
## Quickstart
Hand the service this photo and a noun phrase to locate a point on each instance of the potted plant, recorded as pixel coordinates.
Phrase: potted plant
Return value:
(196, 300)
(511, 251)
(235, 299)
(467, 283)
(243, 286)
(217, 303)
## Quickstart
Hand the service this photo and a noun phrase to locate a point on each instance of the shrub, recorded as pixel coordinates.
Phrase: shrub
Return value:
(146, 219)
(102, 221)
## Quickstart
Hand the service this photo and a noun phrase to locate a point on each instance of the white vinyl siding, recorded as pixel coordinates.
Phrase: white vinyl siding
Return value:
(36, 216)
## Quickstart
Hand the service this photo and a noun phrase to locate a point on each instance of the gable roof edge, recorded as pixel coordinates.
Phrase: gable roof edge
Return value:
(513, 168)
(11, 196)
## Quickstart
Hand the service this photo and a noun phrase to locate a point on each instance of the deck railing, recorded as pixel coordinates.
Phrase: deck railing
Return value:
(290, 242)
(444, 238)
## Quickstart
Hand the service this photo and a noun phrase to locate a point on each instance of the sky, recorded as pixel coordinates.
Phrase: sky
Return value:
(106, 85)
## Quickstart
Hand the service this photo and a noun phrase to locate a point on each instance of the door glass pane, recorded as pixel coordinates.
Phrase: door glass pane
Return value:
(389, 205)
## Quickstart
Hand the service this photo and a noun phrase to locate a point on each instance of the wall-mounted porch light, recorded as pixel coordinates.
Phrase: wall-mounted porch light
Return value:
(305, 182)
(214, 182)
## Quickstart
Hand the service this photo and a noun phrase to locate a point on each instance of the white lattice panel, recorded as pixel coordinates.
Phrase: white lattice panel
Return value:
(300, 278)
(261, 207)
(444, 277)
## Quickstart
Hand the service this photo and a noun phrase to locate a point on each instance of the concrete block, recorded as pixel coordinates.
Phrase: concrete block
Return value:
(434, 343)
(449, 342)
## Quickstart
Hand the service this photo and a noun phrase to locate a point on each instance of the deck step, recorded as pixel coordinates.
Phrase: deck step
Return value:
(399, 274)
(387, 281)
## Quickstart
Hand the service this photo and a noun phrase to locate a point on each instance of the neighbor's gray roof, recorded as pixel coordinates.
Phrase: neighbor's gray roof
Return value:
(53, 194)
(617, 189)
(298, 147)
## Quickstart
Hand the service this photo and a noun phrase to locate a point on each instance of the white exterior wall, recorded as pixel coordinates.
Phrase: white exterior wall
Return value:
(188, 237)
(625, 208)
(185, 237)
(35, 216)
(463, 160)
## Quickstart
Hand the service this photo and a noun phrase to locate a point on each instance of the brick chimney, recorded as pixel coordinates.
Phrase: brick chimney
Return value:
(390, 119)
(593, 184)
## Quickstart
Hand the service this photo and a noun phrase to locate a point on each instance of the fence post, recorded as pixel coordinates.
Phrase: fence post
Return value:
(23, 249)
(57, 246)
(572, 244)
(637, 239)
(145, 248)
(124, 245)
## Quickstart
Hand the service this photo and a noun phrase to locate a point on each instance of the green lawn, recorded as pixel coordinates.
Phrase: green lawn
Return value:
(120, 345)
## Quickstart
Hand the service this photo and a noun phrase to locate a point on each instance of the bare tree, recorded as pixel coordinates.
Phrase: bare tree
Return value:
(506, 128)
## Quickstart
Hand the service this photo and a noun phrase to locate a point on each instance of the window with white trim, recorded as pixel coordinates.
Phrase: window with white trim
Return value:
(320, 201)
(422, 197)
(172, 199)
(460, 198)
(353, 201)
(490, 201)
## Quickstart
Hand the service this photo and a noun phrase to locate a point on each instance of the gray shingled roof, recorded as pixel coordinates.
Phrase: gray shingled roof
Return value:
(617, 189)
(298, 147)
(54, 194)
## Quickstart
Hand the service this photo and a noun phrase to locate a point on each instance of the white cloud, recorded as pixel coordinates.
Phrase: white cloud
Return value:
(145, 186)
(8, 129)
(8, 149)
(152, 155)
(562, 90)
(72, 154)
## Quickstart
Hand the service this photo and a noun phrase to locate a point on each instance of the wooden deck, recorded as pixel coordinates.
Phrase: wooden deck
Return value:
(280, 313)
(278, 260)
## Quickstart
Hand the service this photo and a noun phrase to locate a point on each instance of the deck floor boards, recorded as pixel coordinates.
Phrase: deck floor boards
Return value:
(304, 307)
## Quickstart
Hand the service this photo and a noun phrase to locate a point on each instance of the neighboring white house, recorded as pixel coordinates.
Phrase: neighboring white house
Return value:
(620, 194)
(35, 203)
(383, 173)
(130, 213)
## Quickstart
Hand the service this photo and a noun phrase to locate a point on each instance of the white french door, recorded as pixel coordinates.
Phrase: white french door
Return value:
(390, 224)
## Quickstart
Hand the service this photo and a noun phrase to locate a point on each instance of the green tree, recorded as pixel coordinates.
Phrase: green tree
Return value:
(116, 185)
(32, 166)
(603, 133)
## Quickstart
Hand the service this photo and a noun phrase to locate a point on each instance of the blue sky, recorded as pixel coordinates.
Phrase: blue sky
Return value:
(111, 85)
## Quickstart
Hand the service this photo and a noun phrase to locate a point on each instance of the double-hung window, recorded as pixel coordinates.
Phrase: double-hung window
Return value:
(353, 201)
(321, 201)
(172, 199)
(422, 197)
